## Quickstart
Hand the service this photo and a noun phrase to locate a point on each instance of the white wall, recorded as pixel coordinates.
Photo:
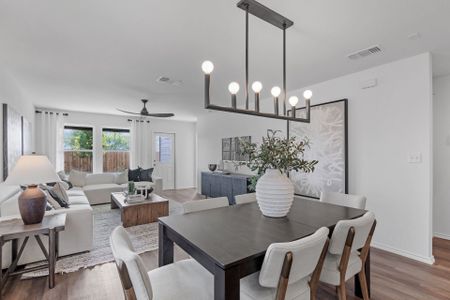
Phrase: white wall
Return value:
(441, 118)
(386, 123)
(185, 135)
(11, 94)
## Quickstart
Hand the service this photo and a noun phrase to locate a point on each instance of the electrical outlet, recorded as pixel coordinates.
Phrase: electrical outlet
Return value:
(415, 158)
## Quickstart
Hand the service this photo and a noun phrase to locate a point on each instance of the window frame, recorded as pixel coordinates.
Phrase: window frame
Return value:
(102, 151)
(92, 151)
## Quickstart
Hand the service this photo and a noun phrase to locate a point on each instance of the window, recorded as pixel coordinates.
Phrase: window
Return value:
(116, 149)
(78, 143)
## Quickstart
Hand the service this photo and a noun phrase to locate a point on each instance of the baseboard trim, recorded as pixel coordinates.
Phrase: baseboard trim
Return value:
(442, 235)
(427, 260)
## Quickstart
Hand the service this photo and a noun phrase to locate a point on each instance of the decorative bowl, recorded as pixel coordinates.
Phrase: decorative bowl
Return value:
(212, 167)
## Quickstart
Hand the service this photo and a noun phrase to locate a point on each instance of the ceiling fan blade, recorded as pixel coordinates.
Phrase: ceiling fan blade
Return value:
(161, 115)
(129, 112)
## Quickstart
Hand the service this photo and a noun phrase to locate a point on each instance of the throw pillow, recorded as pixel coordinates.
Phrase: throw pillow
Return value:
(133, 175)
(122, 177)
(62, 175)
(51, 201)
(68, 183)
(48, 206)
(146, 175)
(77, 178)
(59, 194)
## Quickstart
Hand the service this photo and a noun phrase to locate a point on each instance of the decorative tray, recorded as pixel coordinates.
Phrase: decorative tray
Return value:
(131, 199)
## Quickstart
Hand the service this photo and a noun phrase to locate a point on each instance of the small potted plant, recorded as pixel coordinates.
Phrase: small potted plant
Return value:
(272, 160)
(131, 188)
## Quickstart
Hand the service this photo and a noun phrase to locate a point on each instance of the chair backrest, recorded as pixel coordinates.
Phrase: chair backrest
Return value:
(305, 254)
(355, 201)
(362, 227)
(130, 266)
(204, 204)
(245, 198)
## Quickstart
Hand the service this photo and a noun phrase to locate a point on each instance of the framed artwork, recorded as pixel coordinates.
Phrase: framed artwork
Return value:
(232, 148)
(12, 138)
(328, 140)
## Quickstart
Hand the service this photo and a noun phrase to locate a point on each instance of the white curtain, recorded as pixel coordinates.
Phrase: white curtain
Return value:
(50, 137)
(140, 144)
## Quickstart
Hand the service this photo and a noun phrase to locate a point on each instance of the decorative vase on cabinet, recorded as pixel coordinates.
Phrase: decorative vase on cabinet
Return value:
(274, 194)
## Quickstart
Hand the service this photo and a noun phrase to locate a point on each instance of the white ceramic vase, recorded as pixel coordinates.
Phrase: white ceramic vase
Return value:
(274, 193)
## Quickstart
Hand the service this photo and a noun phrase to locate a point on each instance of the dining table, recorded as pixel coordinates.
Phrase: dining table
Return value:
(230, 242)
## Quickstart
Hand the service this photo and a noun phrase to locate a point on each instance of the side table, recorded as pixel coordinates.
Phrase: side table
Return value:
(14, 229)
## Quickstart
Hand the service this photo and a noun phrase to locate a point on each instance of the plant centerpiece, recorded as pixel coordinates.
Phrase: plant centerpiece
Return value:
(272, 160)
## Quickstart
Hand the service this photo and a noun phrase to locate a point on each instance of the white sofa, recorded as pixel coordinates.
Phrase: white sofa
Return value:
(98, 187)
(77, 236)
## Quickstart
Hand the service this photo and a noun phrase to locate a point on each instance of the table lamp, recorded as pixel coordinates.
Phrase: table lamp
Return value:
(31, 170)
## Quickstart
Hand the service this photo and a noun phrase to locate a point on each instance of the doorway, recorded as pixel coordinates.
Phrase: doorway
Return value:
(164, 158)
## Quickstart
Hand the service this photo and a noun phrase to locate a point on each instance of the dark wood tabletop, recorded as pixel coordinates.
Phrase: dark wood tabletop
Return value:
(231, 241)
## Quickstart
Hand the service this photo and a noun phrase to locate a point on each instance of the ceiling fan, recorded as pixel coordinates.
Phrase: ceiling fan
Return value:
(144, 112)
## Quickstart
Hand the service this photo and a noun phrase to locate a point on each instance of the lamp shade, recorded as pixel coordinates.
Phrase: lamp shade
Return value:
(32, 169)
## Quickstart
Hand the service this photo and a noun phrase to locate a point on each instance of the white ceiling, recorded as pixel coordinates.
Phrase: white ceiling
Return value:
(98, 55)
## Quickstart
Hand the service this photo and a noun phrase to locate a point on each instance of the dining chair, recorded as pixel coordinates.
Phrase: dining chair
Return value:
(289, 271)
(344, 260)
(355, 201)
(204, 204)
(245, 198)
(184, 279)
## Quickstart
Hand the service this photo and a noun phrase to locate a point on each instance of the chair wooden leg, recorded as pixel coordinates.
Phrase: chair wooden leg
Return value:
(342, 292)
(363, 281)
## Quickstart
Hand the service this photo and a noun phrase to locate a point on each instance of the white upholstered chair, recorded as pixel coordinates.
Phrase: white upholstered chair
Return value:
(245, 198)
(355, 201)
(343, 260)
(204, 204)
(299, 263)
(185, 279)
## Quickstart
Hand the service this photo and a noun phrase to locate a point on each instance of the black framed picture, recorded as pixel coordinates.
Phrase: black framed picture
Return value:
(328, 143)
(232, 148)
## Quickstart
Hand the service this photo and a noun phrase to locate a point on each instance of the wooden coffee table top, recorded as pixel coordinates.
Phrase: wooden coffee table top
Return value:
(119, 199)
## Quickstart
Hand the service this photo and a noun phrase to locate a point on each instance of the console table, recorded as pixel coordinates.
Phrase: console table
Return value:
(12, 230)
(217, 184)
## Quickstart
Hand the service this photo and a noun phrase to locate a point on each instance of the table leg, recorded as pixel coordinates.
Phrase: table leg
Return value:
(51, 258)
(165, 252)
(358, 291)
(226, 284)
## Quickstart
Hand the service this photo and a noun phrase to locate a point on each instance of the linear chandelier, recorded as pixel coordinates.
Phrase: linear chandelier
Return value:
(257, 9)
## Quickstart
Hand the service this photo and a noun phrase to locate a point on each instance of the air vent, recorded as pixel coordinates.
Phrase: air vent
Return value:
(365, 52)
(167, 80)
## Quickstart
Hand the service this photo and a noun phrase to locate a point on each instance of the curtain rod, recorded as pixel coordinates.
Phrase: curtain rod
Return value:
(142, 121)
(50, 112)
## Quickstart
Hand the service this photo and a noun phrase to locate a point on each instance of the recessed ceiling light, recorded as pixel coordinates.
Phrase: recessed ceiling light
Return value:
(168, 80)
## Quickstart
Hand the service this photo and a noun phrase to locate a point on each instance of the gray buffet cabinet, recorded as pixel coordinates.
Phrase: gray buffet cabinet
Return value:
(218, 184)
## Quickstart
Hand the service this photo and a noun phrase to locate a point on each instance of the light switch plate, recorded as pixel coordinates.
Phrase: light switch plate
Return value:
(415, 157)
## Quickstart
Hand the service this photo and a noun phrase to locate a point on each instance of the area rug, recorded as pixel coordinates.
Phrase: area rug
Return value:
(144, 238)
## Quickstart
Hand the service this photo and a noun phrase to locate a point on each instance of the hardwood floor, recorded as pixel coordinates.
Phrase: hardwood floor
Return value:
(393, 276)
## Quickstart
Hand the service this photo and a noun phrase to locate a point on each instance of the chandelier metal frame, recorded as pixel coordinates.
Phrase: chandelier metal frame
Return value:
(258, 10)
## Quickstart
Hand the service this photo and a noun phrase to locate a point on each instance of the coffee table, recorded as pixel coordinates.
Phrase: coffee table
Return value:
(140, 213)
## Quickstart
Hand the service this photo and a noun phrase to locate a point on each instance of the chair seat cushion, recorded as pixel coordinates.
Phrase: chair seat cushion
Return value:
(330, 272)
(252, 290)
(185, 279)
